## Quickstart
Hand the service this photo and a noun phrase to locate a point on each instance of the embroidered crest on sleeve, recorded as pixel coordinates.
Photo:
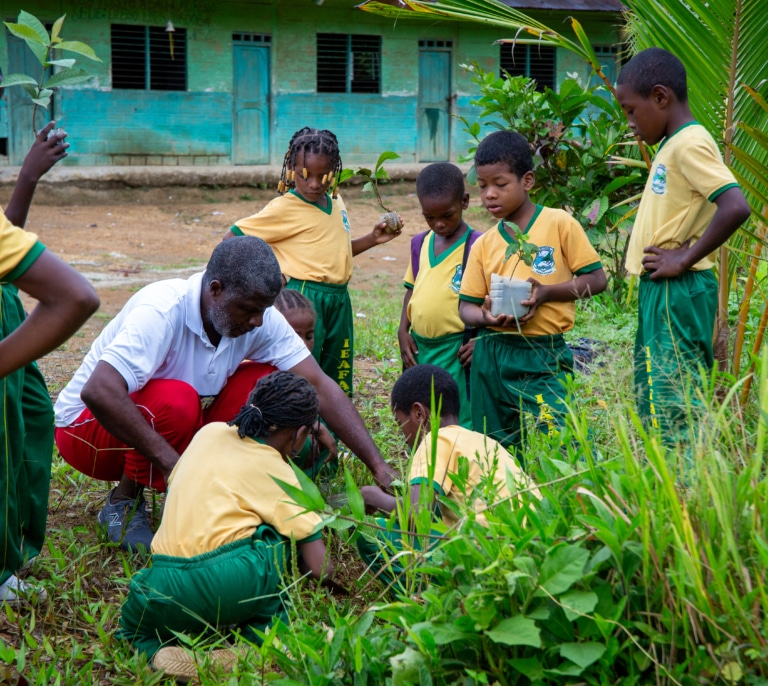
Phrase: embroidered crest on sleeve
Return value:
(345, 219)
(544, 262)
(659, 183)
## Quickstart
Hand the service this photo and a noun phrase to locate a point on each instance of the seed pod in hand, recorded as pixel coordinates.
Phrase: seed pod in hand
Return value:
(54, 132)
(393, 222)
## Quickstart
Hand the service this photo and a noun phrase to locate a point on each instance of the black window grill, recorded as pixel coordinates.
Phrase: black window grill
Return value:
(537, 62)
(348, 63)
(149, 58)
(429, 43)
(252, 37)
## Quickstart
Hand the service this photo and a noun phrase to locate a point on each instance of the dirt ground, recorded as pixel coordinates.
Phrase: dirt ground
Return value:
(123, 239)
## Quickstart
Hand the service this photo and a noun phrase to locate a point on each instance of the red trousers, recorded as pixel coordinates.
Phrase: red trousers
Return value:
(172, 408)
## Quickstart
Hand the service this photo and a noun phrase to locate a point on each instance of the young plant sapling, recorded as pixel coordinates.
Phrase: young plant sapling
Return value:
(42, 44)
(508, 292)
(372, 179)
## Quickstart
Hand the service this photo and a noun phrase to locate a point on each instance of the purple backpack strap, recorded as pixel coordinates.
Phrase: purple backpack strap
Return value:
(416, 242)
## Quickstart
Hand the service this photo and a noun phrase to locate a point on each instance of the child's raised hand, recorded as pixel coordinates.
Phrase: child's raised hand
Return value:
(44, 153)
(408, 348)
(382, 234)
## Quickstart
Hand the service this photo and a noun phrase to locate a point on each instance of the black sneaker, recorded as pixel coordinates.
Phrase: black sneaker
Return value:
(126, 523)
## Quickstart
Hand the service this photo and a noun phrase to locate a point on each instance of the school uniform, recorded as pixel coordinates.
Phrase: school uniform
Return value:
(676, 317)
(219, 555)
(26, 429)
(433, 311)
(314, 248)
(513, 369)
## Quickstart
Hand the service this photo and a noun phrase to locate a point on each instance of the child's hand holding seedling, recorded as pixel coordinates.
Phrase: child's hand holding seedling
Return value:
(48, 149)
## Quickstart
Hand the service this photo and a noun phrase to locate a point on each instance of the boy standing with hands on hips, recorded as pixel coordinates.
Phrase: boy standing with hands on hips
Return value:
(521, 364)
(691, 205)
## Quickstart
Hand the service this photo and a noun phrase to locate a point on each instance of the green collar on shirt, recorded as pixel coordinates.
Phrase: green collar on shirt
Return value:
(504, 231)
(329, 203)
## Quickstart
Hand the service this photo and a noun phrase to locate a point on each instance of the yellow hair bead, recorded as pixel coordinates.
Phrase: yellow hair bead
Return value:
(280, 186)
(325, 178)
(304, 172)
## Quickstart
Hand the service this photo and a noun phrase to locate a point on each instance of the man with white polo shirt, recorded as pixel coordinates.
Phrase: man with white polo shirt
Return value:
(169, 362)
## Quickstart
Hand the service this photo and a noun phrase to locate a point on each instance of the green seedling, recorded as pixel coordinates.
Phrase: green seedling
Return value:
(42, 44)
(372, 178)
(524, 250)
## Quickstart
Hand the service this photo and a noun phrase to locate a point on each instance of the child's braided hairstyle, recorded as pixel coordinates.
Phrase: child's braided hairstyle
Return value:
(313, 141)
(279, 400)
(289, 300)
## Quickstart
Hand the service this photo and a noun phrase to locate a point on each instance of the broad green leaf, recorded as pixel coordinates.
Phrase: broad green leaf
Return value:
(386, 155)
(562, 567)
(31, 90)
(354, 497)
(481, 606)
(68, 77)
(516, 631)
(31, 21)
(64, 63)
(309, 487)
(296, 494)
(17, 80)
(367, 187)
(577, 603)
(26, 33)
(528, 666)
(42, 102)
(406, 666)
(583, 654)
(443, 633)
(79, 48)
(56, 30)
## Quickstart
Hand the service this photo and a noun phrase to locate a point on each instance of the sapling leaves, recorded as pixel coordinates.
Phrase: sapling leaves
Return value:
(525, 250)
(372, 177)
(516, 631)
(354, 497)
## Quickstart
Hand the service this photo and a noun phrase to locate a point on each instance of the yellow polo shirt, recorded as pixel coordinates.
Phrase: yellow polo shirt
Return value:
(486, 458)
(564, 252)
(687, 175)
(311, 243)
(221, 490)
(434, 306)
(18, 250)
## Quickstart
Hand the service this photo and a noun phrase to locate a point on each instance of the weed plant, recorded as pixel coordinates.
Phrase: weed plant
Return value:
(639, 565)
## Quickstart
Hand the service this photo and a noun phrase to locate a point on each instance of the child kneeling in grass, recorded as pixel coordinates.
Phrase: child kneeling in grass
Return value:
(487, 460)
(220, 552)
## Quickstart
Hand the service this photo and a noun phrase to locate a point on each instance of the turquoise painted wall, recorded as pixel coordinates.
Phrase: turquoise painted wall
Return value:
(109, 126)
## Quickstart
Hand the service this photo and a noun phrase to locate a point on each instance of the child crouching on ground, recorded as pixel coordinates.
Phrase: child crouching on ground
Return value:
(488, 460)
(220, 553)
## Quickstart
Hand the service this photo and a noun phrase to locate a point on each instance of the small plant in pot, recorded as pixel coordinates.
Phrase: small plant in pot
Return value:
(372, 178)
(508, 292)
(42, 44)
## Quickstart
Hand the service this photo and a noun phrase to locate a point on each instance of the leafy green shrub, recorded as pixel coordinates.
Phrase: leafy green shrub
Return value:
(574, 134)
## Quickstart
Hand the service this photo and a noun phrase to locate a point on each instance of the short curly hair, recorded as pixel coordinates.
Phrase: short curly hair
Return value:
(508, 147)
(655, 67)
(415, 386)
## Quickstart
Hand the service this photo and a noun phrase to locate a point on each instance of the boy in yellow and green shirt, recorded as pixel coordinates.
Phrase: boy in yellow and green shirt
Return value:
(523, 364)
(690, 206)
(431, 331)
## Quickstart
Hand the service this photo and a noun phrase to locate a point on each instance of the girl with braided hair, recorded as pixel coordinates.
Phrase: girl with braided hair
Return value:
(220, 553)
(309, 232)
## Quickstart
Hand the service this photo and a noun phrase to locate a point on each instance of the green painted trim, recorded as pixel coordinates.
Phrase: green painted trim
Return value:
(675, 132)
(434, 260)
(722, 190)
(26, 262)
(328, 209)
(589, 268)
(236, 230)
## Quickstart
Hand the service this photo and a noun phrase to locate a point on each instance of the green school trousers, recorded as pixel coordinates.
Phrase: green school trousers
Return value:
(334, 330)
(512, 374)
(26, 450)
(236, 585)
(675, 326)
(442, 351)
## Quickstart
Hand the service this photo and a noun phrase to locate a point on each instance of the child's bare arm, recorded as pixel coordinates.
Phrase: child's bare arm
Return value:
(732, 211)
(313, 560)
(582, 286)
(379, 235)
(41, 157)
(408, 348)
(65, 301)
(376, 500)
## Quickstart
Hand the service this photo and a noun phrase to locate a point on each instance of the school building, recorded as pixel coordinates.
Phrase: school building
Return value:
(193, 82)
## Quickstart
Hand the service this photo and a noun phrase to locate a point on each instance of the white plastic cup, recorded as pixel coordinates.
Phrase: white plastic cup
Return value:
(506, 295)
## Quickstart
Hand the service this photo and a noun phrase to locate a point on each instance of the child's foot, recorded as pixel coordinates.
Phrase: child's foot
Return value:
(181, 664)
(14, 590)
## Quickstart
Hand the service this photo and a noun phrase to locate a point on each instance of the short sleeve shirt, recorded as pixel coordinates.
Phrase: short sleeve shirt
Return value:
(311, 242)
(687, 175)
(487, 459)
(564, 251)
(222, 489)
(18, 250)
(159, 334)
(434, 306)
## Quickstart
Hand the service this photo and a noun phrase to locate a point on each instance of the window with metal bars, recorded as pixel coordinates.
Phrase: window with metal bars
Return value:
(348, 63)
(537, 62)
(149, 58)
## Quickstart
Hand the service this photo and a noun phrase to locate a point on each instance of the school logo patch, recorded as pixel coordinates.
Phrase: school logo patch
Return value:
(456, 280)
(659, 183)
(345, 219)
(544, 262)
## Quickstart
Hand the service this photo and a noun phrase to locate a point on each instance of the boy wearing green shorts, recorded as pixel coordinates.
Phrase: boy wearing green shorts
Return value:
(690, 206)
(522, 364)
(431, 331)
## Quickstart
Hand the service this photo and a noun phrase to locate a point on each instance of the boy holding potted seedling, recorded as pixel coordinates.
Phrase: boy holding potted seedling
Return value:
(431, 331)
(522, 363)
